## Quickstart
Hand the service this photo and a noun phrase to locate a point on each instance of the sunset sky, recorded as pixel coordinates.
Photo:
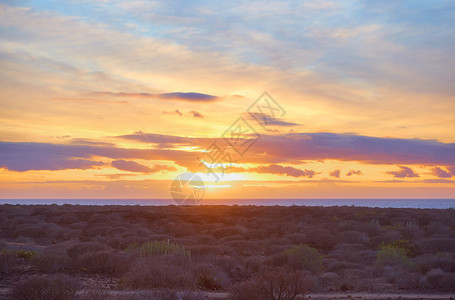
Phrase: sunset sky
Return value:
(114, 99)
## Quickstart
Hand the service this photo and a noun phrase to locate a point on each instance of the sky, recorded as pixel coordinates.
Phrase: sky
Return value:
(284, 99)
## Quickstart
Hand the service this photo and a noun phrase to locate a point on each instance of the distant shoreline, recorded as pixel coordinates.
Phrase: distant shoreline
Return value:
(380, 203)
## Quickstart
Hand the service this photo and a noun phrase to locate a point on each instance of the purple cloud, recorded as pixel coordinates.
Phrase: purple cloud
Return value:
(131, 166)
(441, 173)
(353, 172)
(451, 169)
(403, 172)
(335, 173)
(196, 114)
(190, 97)
(323, 145)
(270, 149)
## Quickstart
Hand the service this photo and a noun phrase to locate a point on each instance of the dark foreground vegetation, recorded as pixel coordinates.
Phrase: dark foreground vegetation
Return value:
(174, 252)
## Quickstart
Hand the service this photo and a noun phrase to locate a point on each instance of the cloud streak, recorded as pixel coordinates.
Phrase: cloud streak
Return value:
(271, 149)
(179, 96)
(277, 169)
(320, 146)
(132, 166)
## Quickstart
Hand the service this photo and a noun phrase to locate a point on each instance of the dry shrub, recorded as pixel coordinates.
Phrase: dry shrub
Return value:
(210, 277)
(342, 265)
(330, 281)
(53, 287)
(160, 272)
(402, 278)
(354, 237)
(322, 239)
(438, 245)
(76, 251)
(272, 284)
(103, 262)
(8, 261)
(51, 261)
(443, 261)
(438, 279)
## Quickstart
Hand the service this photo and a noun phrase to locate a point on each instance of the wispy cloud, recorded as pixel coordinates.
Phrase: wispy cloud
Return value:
(132, 166)
(175, 112)
(277, 169)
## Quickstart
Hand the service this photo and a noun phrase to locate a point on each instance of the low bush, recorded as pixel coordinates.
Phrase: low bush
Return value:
(51, 262)
(102, 262)
(210, 277)
(75, 251)
(163, 248)
(8, 261)
(304, 257)
(167, 271)
(443, 261)
(393, 255)
(53, 287)
(274, 284)
(438, 279)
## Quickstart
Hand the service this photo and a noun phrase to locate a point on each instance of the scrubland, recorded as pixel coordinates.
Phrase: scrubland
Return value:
(245, 252)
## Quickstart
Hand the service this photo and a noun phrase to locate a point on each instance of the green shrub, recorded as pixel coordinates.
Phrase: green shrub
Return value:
(304, 257)
(20, 253)
(392, 255)
(406, 245)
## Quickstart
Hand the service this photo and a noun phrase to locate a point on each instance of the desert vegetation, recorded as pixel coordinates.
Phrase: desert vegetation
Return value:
(249, 252)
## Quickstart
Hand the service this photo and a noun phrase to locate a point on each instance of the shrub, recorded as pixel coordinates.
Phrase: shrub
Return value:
(340, 265)
(54, 287)
(210, 277)
(322, 239)
(438, 245)
(102, 262)
(7, 261)
(437, 278)
(160, 272)
(444, 261)
(390, 255)
(208, 282)
(271, 285)
(163, 248)
(51, 262)
(304, 257)
(74, 252)
(330, 281)
(409, 248)
(354, 237)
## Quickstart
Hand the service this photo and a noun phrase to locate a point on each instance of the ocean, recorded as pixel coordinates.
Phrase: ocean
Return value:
(397, 203)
